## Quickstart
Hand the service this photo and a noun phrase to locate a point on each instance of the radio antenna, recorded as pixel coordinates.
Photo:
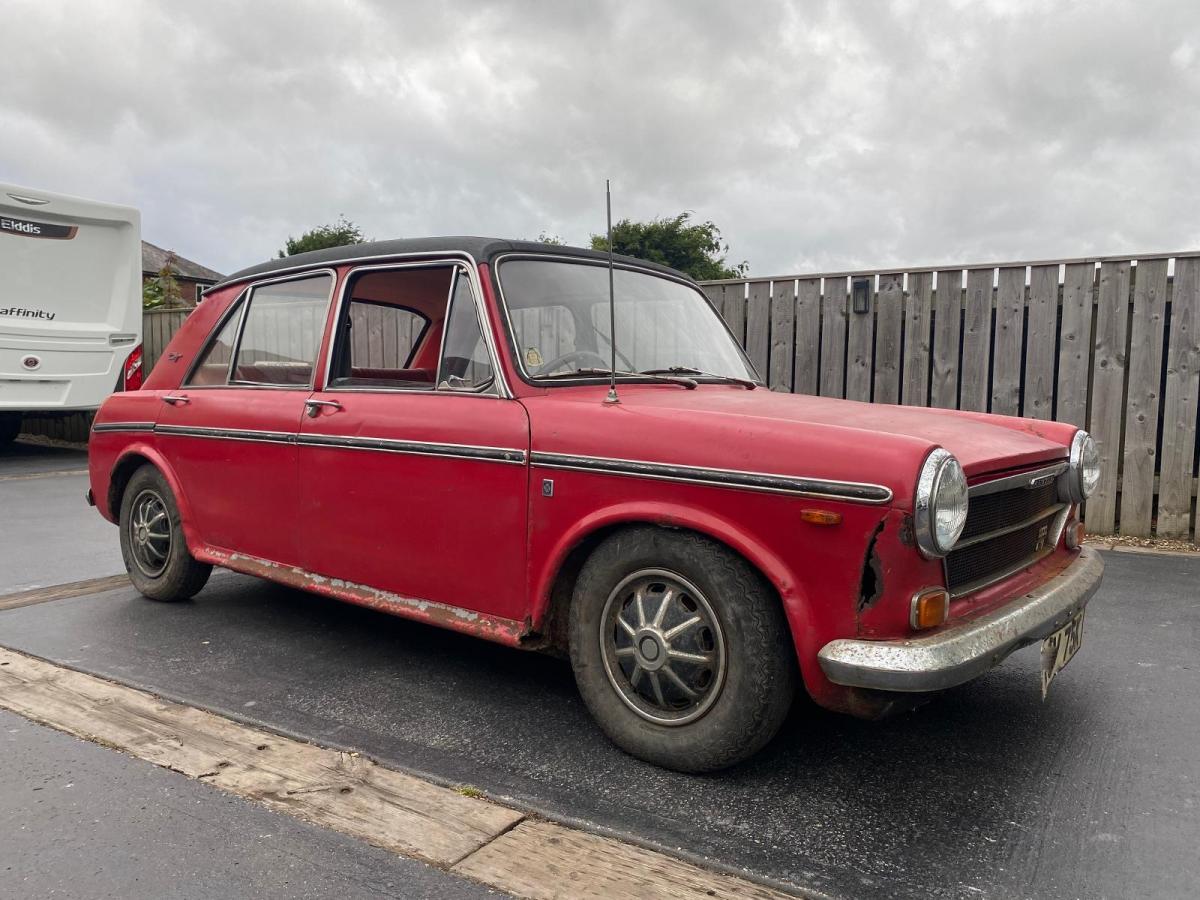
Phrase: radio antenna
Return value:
(612, 305)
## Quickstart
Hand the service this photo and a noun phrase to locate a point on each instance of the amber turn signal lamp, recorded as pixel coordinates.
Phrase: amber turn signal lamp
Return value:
(1074, 534)
(820, 517)
(930, 608)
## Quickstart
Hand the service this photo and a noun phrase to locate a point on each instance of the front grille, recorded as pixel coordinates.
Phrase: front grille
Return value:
(1005, 531)
(1003, 509)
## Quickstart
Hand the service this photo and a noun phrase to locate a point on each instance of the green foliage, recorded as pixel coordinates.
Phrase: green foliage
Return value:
(696, 249)
(339, 234)
(162, 290)
(551, 239)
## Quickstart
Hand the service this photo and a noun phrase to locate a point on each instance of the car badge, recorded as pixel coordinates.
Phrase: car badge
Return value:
(31, 362)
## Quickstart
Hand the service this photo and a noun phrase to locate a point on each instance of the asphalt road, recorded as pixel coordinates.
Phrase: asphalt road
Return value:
(48, 535)
(986, 792)
(83, 821)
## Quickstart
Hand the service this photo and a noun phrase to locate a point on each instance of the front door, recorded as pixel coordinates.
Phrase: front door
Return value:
(230, 430)
(413, 466)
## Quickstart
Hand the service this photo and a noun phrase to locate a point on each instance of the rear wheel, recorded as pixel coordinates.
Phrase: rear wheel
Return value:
(152, 544)
(10, 427)
(680, 649)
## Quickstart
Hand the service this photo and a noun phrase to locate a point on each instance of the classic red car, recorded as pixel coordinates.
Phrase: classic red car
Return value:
(424, 427)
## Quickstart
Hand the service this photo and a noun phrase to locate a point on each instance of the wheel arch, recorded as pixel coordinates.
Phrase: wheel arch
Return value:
(556, 580)
(132, 459)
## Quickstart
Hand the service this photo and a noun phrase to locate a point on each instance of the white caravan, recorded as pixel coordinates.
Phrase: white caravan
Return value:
(70, 304)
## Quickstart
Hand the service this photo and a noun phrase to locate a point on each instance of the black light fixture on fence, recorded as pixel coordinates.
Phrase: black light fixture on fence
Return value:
(860, 295)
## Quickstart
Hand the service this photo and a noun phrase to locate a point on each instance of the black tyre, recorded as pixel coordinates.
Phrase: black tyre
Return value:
(152, 544)
(681, 650)
(10, 427)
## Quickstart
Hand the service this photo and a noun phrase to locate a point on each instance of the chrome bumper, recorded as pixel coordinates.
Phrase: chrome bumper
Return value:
(959, 653)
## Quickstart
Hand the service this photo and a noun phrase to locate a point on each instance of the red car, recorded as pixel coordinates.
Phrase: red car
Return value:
(424, 427)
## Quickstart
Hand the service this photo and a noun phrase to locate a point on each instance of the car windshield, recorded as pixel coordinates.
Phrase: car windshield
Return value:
(560, 322)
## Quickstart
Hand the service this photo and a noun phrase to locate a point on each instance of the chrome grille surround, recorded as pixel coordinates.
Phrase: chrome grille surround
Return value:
(1012, 522)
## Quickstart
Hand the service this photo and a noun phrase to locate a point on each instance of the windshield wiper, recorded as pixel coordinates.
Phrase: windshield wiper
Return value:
(688, 370)
(688, 383)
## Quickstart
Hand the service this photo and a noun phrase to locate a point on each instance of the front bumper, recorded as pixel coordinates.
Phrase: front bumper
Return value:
(961, 652)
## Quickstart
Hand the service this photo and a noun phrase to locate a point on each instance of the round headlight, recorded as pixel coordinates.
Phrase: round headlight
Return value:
(941, 504)
(1083, 471)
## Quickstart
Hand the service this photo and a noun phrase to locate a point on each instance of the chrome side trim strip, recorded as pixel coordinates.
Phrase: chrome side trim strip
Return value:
(123, 426)
(753, 481)
(228, 434)
(1022, 480)
(379, 445)
(417, 448)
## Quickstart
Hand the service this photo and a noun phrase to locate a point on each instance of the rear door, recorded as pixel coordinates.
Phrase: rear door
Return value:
(230, 430)
(413, 471)
(70, 299)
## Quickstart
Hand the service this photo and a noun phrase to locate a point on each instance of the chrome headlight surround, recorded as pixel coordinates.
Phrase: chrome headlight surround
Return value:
(939, 504)
(1083, 469)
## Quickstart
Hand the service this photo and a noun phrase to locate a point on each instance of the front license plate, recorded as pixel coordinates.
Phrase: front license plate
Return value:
(1058, 649)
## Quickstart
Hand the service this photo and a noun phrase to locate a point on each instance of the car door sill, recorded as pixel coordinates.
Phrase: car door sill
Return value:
(493, 628)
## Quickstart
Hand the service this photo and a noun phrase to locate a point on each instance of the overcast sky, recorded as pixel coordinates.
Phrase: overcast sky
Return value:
(816, 135)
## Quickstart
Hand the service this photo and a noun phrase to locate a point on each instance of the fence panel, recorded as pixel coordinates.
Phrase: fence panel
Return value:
(977, 341)
(783, 335)
(917, 319)
(1180, 402)
(890, 315)
(1010, 326)
(947, 326)
(1108, 390)
(1074, 345)
(808, 336)
(833, 338)
(1041, 346)
(1141, 408)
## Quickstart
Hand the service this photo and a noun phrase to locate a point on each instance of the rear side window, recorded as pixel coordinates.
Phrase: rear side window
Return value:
(213, 367)
(282, 331)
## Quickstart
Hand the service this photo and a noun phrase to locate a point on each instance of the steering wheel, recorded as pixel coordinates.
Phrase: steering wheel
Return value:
(577, 356)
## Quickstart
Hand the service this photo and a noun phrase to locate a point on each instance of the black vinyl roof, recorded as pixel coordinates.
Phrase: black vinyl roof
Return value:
(483, 249)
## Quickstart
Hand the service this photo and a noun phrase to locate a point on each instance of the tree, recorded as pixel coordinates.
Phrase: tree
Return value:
(162, 289)
(696, 249)
(339, 234)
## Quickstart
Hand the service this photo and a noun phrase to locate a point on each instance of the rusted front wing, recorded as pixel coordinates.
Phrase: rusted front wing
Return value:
(958, 653)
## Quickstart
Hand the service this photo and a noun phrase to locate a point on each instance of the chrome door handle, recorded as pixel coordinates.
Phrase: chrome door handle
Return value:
(313, 407)
(175, 398)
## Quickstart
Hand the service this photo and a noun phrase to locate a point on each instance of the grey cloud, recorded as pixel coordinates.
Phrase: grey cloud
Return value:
(817, 135)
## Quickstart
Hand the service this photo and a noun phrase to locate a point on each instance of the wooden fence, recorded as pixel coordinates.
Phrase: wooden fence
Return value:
(1111, 344)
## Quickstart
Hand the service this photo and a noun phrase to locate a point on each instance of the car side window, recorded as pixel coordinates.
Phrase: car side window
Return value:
(282, 331)
(213, 365)
(465, 364)
(410, 328)
(382, 338)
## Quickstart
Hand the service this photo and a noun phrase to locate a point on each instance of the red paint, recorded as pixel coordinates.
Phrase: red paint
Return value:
(475, 545)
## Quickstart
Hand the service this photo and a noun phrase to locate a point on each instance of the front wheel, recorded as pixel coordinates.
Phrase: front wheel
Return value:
(152, 544)
(680, 649)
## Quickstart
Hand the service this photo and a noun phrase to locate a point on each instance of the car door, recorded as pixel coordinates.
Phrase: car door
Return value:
(413, 467)
(229, 432)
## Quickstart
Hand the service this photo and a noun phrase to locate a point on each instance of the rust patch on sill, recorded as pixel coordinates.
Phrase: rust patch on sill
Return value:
(503, 631)
(870, 587)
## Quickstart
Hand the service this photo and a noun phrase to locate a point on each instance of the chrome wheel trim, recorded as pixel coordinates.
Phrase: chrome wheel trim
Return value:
(150, 533)
(663, 647)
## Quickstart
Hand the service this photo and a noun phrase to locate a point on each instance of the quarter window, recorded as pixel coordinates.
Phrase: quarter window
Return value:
(213, 367)
(282, 332)
(466, 365)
